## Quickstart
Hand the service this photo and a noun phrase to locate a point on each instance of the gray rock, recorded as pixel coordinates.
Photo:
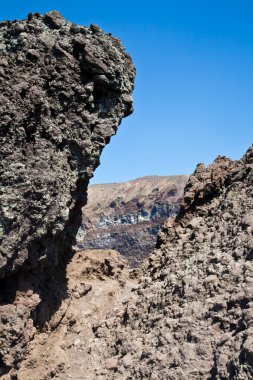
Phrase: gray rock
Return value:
(55, 121)
(193, 317)
(56, 117)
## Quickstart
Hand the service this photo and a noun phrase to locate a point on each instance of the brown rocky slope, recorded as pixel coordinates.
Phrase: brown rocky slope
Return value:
(185, 314)
(64, 90)
(98, 283)
(127, 216)
(190, 317)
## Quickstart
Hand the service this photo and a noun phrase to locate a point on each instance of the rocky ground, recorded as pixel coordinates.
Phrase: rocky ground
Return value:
(127, 216)
(98, 285)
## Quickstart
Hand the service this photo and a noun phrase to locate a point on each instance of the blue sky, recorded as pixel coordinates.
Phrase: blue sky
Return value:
(194, 86)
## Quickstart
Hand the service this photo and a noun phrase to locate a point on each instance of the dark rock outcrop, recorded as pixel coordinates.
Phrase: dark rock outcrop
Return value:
(64, 90)
(190, 317)
(127, 216)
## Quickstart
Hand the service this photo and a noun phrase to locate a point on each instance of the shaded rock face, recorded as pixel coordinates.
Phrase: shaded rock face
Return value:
(64, 90)
(127, 216)
(190, 317)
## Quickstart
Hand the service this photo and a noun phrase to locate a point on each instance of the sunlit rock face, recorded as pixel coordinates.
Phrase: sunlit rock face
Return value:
(64, 90)
(190, 316)
(127, 216)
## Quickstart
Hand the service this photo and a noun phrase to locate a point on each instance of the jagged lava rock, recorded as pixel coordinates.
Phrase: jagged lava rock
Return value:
(190, 317)
(127, 216)
(63, 92)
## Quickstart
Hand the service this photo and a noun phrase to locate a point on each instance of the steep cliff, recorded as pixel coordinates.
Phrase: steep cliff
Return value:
(190, 317)
(64, 90)
(127, 216)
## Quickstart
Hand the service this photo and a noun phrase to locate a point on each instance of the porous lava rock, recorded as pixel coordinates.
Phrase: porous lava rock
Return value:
(64, 90)
(190, 317)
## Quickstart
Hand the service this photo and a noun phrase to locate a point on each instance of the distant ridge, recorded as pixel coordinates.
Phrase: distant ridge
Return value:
(126, 216)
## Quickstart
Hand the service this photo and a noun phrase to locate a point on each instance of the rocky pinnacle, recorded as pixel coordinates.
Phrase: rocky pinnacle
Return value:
(64, 90)
(190, 317)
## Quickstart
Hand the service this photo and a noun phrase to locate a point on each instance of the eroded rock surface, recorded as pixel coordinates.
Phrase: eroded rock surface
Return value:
(185, 314)
(64, 90)
(98, 283)
(127, 216)
(192, 312)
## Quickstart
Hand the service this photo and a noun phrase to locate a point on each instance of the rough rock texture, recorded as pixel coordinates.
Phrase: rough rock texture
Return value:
(64, 90)
(191, 315)
(185, 314)
(98, 282)
(127, 216)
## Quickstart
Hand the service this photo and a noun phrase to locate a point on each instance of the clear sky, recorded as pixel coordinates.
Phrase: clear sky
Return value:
(194, 86)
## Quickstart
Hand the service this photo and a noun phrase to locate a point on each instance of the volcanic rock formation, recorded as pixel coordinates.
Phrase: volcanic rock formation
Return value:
(64, 90)
(191, 315)
(185, 314)
(127, 216)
